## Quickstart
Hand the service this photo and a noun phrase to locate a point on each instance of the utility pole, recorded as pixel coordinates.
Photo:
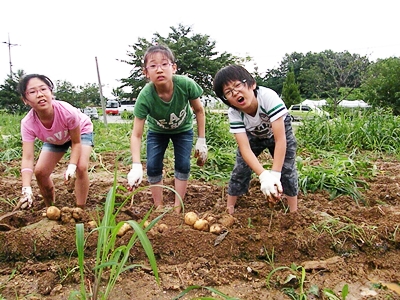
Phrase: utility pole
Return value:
(9, 53)
(103, 105)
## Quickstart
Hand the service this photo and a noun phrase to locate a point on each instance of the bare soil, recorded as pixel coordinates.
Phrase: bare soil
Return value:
(359, 246)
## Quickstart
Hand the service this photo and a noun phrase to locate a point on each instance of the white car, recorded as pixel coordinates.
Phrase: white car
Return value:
(91, 112)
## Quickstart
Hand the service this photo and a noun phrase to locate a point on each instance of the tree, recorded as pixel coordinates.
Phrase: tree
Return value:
(329, 72)
(67, 92)
(195, 57)
(274, 78)
(382, 84)
(88, 95)
(290, 91)
(10, 99)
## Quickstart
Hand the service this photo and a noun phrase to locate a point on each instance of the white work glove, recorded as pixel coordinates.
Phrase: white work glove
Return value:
(26, 200)
(201, 151)
(271, 184)
(70, 173)
(135, 175)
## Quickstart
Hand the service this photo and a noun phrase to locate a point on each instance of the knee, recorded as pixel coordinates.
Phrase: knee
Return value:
(41, 174)
(81, 169)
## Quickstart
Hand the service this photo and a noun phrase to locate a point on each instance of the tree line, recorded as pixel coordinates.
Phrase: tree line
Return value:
(329, 75)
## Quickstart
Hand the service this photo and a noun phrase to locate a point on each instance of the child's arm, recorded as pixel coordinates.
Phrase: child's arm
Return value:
(201, 146)
(198, 110)
(28, 151)
(278, 128)
(76, 149)
(135, 175)
(136, 139)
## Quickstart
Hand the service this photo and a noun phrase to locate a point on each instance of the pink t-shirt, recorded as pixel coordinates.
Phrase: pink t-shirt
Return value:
(66, 117)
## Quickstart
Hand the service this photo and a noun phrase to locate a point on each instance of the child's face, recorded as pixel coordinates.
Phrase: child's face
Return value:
(38, 95)
(239, 95)
(159, 69)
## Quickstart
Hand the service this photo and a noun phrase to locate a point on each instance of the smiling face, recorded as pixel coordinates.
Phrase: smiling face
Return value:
(38, 94)
(159, 69)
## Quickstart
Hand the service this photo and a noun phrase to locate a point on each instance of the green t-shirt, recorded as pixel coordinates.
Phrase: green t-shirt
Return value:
(174, 116)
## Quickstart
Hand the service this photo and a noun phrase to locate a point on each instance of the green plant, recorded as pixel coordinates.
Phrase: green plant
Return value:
(297, 274)
(249, 225)
(109, 255)
(342, 228)
(332, 296)
(270, 258)
(12, 202)
(337, 173)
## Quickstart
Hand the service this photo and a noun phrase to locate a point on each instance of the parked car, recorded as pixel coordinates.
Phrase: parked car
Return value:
(112, 107)
(299, 112)
(91, 112)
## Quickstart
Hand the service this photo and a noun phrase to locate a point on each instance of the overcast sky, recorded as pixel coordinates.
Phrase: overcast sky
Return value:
(61, 39)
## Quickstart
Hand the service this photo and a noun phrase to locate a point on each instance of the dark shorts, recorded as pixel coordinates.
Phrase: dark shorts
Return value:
(86, 139)
(241, 173)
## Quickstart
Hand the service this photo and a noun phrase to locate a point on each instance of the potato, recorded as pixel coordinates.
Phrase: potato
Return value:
(190, 218)
(66, 215)
(53, 213)
(92, 224)
(216, 228)
(124, 229)
(201, 224)
(162, 227)
(227, 220)
(209, 217)
(77, 213)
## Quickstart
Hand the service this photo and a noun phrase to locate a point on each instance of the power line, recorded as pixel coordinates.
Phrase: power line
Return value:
(9, 52)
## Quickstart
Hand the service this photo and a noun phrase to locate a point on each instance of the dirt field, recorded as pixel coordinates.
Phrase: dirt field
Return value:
(336, 241)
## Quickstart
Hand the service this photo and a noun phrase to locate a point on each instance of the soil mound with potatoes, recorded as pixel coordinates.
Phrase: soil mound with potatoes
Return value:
(336, 242)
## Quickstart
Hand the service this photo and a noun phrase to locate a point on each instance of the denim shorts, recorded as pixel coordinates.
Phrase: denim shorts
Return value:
(86, 139)
(157, 144)
(241, 173)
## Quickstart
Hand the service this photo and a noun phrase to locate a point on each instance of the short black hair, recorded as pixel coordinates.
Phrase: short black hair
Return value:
(228, 74)
(23, 83)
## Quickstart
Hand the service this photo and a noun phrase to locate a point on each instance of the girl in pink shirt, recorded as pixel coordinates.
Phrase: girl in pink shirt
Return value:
(59, 125)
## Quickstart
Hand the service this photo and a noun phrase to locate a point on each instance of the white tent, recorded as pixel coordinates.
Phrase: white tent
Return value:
(315, 103)
(354, 103)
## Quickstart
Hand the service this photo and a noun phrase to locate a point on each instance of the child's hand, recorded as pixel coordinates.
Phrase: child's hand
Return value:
(26, 200)
(271, 183)
(135, 175)
(70, 172)
(201, 151)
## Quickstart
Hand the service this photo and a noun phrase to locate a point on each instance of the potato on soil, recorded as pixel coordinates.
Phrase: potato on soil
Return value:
(227, 220)
(53, 213)
(92, 224)
(191, 218)
(201, 224)
(209, 217)
(78, 213)
(217, 228)
(66, 215)
(162, 227)
(124, 229)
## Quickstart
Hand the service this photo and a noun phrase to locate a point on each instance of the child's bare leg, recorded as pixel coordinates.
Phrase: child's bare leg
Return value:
(292, 202)
(230, 204)
(82, 177)
(180, 188)
(43, 169)
(156, 192)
